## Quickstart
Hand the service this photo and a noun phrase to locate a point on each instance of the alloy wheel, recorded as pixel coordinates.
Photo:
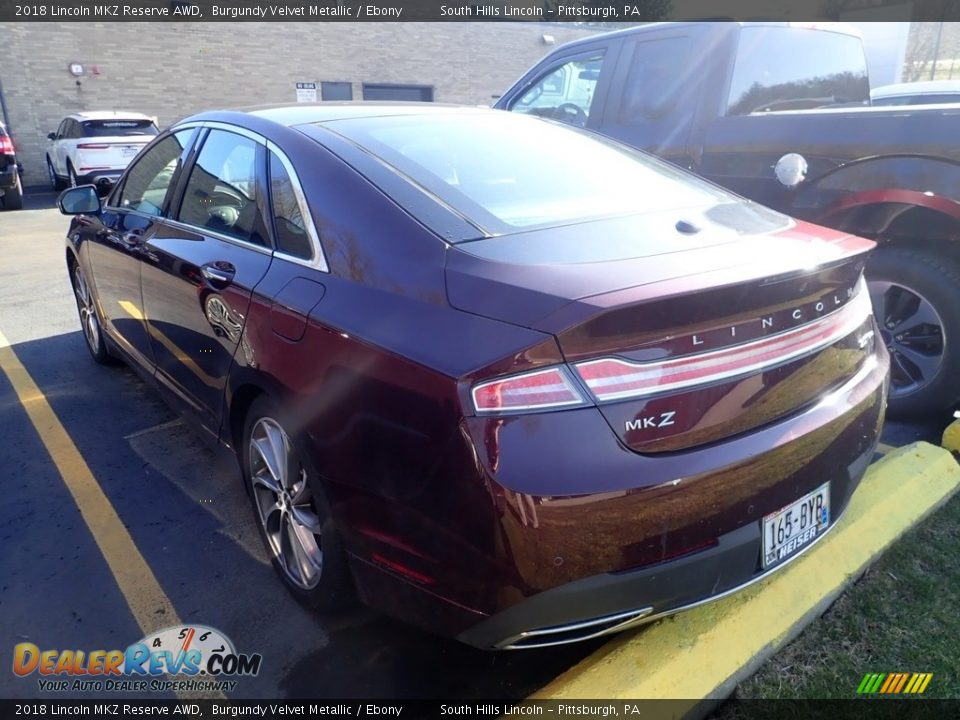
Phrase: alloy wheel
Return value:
(88, 313)
(52, 174)
(284, 504)
(913, 332)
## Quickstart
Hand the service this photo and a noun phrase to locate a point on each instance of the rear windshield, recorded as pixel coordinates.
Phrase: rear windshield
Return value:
(118, 128)
(503, 171)
(791, 68)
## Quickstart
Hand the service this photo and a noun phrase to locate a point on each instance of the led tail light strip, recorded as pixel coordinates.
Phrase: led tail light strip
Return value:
(616, 379)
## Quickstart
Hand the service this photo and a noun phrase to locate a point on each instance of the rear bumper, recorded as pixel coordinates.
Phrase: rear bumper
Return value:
(101, 179)
(613, 602)
(544, 529)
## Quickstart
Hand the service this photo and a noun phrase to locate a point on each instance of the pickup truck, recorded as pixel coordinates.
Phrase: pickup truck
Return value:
(781, 113)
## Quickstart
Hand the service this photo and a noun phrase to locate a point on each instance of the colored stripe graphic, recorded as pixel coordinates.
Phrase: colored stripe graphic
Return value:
(894, 683)
(889, 682)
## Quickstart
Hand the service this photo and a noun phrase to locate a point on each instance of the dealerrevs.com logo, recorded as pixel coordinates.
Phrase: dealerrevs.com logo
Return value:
(178, 658)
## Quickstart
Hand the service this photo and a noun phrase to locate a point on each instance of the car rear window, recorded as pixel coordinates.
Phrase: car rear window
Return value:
(503, 171)
(797, 68)
(118, 128)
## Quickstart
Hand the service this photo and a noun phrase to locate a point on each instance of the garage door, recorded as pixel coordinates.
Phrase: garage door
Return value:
(383, 91)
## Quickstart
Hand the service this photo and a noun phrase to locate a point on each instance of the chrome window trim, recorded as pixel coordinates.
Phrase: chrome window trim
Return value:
(176, 224)
(213, 125)
(318, 261)
(114, 190)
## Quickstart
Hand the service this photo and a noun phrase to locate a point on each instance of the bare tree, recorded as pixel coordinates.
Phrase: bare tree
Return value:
(920, 51)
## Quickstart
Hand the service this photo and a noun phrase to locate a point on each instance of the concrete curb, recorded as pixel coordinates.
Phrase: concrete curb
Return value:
(702, 654)
(951, 437)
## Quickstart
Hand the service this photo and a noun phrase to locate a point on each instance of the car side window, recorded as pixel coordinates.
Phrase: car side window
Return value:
(566, 93)
(148, 181)
(655, 81)
(290, 228)
(62, 130)
(221, 194)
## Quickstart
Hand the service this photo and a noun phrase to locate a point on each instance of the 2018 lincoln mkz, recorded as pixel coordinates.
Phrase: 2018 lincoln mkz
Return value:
(504, 379)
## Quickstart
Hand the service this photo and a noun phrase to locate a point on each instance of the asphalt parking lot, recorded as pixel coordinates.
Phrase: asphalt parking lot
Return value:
(186, 511)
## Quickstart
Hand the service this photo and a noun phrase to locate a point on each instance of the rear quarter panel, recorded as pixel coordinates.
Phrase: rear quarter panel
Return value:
(740, 152)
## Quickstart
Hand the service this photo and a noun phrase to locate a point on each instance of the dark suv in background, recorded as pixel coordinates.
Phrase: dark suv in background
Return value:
(11, 187)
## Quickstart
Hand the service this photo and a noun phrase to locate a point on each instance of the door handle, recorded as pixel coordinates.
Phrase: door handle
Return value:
(132, 238)
(219, 272)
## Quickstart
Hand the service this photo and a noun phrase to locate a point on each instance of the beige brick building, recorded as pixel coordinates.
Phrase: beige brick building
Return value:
(173, 70)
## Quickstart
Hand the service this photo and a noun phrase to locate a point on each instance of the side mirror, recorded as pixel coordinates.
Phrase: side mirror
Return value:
(51, 136)
(81, 200)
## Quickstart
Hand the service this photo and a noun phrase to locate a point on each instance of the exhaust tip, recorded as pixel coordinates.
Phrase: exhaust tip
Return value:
(576, 632)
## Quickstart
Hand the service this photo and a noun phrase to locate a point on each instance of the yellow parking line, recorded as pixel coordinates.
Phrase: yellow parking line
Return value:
(703, 653)
(148, 603)
(150, 606)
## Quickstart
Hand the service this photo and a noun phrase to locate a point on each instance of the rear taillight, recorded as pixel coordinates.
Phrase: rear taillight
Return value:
(92, 146)
(538, 390)
(6, 145)
(617, 379)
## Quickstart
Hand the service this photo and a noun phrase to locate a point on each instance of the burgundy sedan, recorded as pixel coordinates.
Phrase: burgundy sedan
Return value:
(504, 379)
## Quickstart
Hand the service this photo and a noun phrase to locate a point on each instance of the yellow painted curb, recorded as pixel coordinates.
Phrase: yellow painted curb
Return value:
(951, 437)
(703, 653)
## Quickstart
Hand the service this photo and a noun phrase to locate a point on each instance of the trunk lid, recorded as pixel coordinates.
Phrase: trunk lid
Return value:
(686, 328)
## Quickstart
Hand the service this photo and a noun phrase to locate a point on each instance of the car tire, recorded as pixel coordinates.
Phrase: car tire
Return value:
(13, 197)
(292, 513)
(90, 323)
(914, 294)
(55, 182)
(71, 176)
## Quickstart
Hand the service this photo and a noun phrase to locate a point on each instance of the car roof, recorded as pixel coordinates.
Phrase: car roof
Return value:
(836, 27)
(312, 113)
(926, 87)
(109, 115)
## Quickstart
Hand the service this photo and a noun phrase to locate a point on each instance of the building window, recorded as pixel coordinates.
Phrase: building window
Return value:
(336, 91)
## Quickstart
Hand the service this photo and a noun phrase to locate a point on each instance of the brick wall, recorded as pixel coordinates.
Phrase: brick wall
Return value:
(174, 70)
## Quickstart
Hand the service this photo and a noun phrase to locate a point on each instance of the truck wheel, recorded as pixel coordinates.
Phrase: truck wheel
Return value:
(13, 198)
(914, 295)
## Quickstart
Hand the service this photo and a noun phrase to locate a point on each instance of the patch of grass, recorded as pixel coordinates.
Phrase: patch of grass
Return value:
(903, 615)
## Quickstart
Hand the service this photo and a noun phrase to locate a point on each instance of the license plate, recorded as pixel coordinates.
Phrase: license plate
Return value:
(790, 528)
(129, 151)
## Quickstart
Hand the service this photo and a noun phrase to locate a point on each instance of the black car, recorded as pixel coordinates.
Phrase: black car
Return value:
(11, 186)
